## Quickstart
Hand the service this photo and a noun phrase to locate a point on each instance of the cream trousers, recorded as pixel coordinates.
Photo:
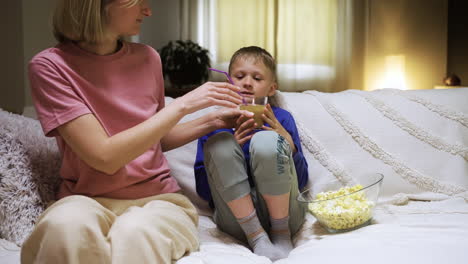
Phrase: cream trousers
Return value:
(79, 229)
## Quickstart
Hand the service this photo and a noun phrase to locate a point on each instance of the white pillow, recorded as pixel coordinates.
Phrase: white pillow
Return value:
(181, 161)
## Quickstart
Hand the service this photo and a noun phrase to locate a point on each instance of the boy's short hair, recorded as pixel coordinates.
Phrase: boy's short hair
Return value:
(82, 20)
(256, 53)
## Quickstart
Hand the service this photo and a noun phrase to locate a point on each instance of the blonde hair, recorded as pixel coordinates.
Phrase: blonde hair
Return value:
(258, 54)
(82, 20)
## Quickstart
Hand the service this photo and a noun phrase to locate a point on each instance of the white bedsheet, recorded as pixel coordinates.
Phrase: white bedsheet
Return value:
(418, 232)
(9, 252)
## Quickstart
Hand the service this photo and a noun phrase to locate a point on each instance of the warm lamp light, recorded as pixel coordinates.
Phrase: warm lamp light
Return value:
(394, 73)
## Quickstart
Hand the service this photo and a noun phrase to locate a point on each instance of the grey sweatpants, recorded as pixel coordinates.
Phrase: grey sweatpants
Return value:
(273, 171)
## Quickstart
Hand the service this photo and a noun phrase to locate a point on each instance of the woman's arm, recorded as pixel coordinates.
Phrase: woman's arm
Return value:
(89, 141)
(184, 133)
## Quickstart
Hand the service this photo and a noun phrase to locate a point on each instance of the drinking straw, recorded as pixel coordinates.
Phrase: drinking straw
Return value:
(229, 78)
(225, 73)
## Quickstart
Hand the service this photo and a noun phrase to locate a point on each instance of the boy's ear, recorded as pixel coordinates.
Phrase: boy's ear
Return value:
(273, 89)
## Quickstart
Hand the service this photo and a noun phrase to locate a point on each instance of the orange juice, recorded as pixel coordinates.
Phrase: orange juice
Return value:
(257, 110)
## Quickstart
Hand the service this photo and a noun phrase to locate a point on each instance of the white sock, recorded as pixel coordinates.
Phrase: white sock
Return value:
(257, 237)
(280, 235)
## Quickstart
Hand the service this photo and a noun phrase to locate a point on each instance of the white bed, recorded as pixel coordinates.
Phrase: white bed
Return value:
(417, 139)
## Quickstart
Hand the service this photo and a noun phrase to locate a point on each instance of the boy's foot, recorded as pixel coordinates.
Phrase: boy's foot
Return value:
(258, 239)
(280, 235)
(262, 246)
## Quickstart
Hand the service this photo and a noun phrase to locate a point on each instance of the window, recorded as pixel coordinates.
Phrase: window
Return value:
(308, 38)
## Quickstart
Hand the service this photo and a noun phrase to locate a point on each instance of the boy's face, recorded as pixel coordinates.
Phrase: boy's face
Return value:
(253, 77)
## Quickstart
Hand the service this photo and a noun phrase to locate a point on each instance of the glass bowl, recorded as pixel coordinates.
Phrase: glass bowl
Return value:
(341, 209)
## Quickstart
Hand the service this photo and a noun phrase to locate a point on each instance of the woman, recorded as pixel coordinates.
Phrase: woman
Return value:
(103, 100)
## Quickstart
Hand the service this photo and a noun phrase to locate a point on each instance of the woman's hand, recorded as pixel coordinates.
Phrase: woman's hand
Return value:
(209, 94)
(270, 118)
(244, 130)
(228, 117)
(241, 120)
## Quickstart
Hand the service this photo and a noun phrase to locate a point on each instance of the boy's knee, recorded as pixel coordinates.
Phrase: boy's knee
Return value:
(271, 154)
(219, 145)
(269, 145)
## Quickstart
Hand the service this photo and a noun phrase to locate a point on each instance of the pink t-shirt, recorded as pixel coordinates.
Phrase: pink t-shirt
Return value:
(121, 90)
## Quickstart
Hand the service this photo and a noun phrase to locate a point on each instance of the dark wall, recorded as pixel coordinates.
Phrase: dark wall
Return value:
(457, 58)
(11, 65)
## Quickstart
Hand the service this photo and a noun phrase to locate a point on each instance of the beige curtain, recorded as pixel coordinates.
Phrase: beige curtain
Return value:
(188, 19)
(316, 42)
(198, 23)
(244, 23)
(306, 45)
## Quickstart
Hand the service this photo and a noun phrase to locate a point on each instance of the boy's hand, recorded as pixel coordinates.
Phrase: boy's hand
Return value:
(244, 130)
(270, 118)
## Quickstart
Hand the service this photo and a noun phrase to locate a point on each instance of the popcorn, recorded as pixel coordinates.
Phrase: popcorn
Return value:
(342, 209)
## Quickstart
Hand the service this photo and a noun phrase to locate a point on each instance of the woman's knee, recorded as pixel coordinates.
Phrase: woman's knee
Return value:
(75, 215)
(159, 220)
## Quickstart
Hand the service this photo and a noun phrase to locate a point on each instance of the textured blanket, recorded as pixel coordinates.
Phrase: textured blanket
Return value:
(29, 164)
(417, 139)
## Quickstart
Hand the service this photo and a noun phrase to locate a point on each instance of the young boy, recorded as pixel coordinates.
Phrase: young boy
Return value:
(252, 177)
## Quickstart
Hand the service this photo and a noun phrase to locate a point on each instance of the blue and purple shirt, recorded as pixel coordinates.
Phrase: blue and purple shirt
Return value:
(287, 121)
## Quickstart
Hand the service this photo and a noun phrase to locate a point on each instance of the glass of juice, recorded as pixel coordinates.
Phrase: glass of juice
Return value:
(256, 105)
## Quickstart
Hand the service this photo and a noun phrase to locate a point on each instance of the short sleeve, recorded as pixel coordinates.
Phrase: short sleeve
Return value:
(156, 61)
(55, 100)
